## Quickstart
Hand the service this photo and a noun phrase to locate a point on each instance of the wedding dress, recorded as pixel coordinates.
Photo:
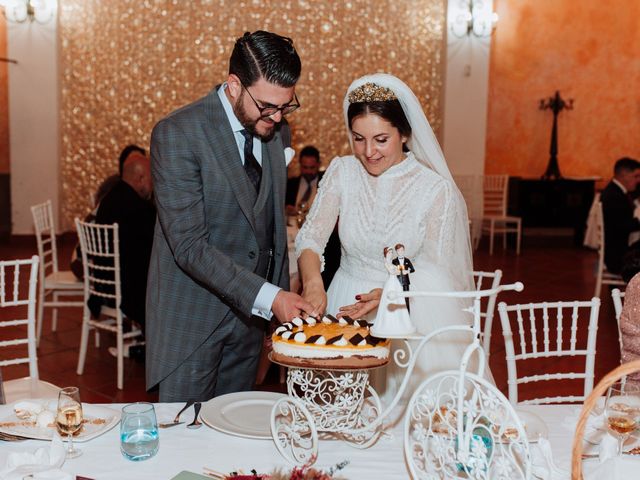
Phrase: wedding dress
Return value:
(408, 204)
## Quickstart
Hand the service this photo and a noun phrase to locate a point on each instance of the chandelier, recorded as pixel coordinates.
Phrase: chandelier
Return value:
(28, 10)
(472, 16)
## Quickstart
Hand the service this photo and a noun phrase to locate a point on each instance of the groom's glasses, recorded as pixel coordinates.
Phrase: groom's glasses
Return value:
(270, 110)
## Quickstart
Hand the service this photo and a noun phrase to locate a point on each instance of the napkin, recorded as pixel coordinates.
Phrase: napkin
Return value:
(608, 448)
(616, 468)
(289, 153)
(543, 466)
(44, 463)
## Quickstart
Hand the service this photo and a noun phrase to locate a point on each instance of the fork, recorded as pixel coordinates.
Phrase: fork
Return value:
(176, 421)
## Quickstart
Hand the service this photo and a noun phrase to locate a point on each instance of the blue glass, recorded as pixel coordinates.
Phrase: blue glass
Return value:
(138, 431)
(480, 436)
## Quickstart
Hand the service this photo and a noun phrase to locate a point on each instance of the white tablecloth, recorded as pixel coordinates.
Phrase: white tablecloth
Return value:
(183, 449)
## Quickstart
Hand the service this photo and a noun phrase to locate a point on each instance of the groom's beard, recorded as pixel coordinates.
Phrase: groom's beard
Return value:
(250, 124)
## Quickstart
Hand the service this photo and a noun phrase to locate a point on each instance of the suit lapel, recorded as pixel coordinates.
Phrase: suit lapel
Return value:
(222, 142)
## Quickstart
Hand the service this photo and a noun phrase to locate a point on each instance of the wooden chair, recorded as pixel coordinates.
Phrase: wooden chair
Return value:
(15, 299)
(603, 277)
(541, 334)
(101, 266)
(600, 389)
(480, 279)
(495, 219)
(53, 283)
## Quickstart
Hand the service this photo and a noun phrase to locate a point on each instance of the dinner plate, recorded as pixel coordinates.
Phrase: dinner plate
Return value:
(243, 414)
(534, 426)
(98, 420)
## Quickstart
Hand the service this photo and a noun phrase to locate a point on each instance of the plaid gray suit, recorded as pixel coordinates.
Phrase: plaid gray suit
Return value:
(201, 285)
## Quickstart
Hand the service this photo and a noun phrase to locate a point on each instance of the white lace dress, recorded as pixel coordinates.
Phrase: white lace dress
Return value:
(408, 204)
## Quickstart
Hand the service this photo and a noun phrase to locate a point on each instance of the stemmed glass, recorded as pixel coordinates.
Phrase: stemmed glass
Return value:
(622, 411)
(69, 417)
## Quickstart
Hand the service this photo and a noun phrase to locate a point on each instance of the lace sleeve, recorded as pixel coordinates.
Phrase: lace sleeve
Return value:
(323, 215)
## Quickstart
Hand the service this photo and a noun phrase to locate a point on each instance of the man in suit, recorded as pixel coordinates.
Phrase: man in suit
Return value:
(406, 267)
(128, 204)
(302, 189)
(619, 212)
(219, 263)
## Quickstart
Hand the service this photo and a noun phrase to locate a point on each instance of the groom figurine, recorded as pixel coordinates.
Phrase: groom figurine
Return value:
(219, 263)
(406, 267)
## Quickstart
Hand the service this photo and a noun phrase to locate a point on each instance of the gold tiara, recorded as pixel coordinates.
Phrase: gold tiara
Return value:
(370, 92)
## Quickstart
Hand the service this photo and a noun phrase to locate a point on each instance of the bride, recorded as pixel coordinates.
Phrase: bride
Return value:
(396, 188)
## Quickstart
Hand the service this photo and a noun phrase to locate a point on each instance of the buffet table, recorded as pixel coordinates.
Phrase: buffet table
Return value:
(183, 449)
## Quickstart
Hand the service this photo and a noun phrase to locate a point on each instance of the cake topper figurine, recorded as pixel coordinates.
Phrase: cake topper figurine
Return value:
(392, 319)
(405, 267)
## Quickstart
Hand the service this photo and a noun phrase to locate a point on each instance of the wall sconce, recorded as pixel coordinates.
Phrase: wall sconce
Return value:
(22, 10)
(472, 16)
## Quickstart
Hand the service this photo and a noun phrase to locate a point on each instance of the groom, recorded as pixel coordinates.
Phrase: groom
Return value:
(219, 263)
(406, 267)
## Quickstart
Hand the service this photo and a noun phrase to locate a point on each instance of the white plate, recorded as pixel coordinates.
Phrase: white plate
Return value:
(534, 426)
(243, 414)
(14, 426)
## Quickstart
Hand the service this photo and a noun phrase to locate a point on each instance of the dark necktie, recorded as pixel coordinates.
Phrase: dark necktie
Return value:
(251, 165)
(307, 193)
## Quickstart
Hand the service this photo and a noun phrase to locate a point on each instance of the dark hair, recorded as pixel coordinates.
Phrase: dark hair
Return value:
(630, 264)
(389, 110)
(625, 164)
(124, 154)
(310, 151)
(265, 55)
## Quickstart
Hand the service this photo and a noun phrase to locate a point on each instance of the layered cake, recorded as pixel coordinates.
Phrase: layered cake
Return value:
(328, 343)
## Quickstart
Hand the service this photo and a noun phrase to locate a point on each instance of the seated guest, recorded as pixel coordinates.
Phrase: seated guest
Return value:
(630, 316)
(128, 204)
(619, 212)
(302, 189)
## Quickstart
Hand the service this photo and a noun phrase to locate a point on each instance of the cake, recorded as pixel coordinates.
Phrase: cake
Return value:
(328, 343)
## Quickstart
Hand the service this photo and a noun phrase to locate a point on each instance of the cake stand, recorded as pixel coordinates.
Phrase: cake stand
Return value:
(341, 403)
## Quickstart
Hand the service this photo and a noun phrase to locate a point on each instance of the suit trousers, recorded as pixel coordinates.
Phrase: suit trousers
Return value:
(226, 362)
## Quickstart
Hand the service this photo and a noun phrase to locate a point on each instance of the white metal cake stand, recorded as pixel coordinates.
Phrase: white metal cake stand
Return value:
(341, 403)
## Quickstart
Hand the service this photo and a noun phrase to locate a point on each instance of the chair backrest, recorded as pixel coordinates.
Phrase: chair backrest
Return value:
(486, 441)
(487, 280)
(617, 296)
(495, 193)
(15, 297)
(100, 261)
(470, 187)
(549, 330)
(600, 235)
(45, 237)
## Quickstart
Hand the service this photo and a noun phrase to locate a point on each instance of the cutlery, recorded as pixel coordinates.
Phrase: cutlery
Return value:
(7, 437)
(633, 451)
(176, 421)
(196, 423)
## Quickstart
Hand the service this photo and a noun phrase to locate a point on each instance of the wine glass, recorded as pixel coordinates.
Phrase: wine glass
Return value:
(69, 417)
(622, 411)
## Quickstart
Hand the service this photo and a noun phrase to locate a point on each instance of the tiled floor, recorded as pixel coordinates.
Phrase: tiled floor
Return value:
(550, 268)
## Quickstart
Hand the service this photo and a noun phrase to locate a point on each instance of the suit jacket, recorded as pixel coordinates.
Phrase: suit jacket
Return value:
(136, 218)
(619, 222)
(406, 263)
(205, 248)
(292, 189)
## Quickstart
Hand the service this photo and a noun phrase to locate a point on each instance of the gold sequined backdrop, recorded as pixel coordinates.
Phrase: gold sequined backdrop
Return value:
(128, 63)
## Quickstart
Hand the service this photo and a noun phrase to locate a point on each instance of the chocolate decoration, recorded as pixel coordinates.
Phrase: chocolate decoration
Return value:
(313, 339)
(348, 319)
(371, 340)
(332, 318)
(356, 339)
(333, 340)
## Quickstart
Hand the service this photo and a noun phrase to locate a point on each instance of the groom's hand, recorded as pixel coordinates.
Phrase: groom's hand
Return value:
(288, 305)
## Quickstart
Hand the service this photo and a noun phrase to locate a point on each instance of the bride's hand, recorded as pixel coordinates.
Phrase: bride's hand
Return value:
(314, 294)
(366, 303)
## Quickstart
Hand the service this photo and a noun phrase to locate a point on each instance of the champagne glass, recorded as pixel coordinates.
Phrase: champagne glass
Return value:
(69, 417)
(622, 410)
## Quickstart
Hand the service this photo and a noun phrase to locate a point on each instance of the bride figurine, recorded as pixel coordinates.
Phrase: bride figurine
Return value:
(392, 319)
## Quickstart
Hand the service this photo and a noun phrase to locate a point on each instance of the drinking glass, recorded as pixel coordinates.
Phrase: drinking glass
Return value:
(138, 431)
(69, 417)
(622, 411)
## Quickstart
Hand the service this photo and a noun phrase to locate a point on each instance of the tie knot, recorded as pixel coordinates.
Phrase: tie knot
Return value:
(248, 137)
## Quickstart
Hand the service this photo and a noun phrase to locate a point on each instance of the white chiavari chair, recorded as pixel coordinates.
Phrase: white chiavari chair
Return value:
(19, 300)
(550, 330)
(53, 283)
(495, 219)
(484, 281)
